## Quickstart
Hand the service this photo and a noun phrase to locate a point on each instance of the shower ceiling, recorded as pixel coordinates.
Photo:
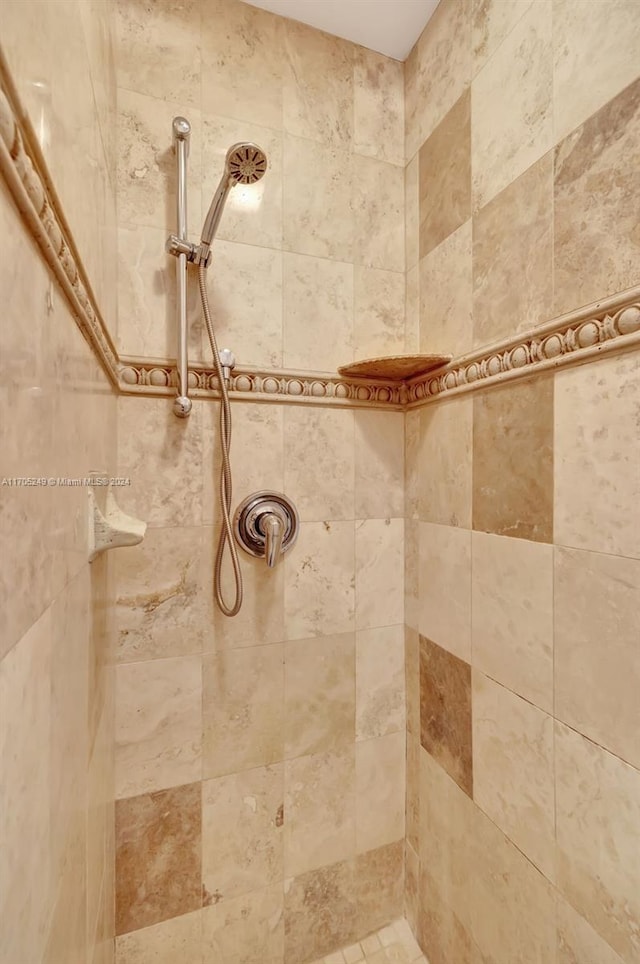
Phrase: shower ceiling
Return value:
(388, 26)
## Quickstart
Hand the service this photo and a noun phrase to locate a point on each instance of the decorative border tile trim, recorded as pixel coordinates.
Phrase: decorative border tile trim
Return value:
(150, 377)
(611, 325)
(22, 164)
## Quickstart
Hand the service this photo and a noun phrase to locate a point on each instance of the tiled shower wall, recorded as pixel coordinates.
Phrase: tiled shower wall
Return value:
(267, 752)
(59, 421)
(523, 524)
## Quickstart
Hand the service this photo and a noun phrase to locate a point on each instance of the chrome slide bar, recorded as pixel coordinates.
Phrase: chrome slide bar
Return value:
(181, 134)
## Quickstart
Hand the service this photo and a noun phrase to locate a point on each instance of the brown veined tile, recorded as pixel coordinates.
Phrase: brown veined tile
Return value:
(445, 176)
(441, 934)
(596, 247)
(379, 886)
(513, 460)
(513, 238)
(158, 856)
(445, 711)
(319, 912)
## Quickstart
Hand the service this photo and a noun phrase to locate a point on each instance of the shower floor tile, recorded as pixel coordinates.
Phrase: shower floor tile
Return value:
(394, 944)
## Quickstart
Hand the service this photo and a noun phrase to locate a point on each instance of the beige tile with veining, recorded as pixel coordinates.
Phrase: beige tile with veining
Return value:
(380, 789)
(513, 769)
(320, 912)
(319, 202)
(319, 693)
(577, 940)
(492, 22)
(411, 575)
(512, 111)
(512, 615)
(378, 106)
(164, 603)
(319, 581)
(158, 724)
(598, 852)
(597, 444)
(378, 214)
(245, 930)
(412, 311)
(597, 658)
(446, 311)
(379, 572)
(242, 817)
(319, 810)
(379, 463)
(243, 706)
(380, 682)
(318, 313)
(378, 312)
(174, 939)
(411, 213)
(445, 587)
(443, 482)
(319, 462)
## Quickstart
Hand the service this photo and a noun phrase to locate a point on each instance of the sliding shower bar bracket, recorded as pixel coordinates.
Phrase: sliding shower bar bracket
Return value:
(178, 245)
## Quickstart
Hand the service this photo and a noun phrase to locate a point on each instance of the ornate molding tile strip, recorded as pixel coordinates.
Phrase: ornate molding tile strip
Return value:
(21, 163)
(611, 325)
(142, 376)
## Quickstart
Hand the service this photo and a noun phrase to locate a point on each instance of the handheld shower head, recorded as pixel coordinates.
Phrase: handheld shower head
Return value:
(245, 163)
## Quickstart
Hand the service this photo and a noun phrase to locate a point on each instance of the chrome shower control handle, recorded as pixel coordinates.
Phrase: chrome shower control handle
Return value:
(266, 525)
(273, 533)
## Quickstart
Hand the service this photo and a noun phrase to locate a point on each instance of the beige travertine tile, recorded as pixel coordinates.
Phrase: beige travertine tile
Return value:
(445, 587)
(437, 70)
(319, 462)
(412, 310)
(598, 38)
(411, 213)
(380, 690)
(245, 295)
(412, 575)
(439, 928)
(318, 221)
(318, 85)
(158, 724)
(156, 882)
(245, 930)
(597, 474)
(178, 938)
(512, 615)
(445, 470)
(412, 466)
(512, 114)
(513, 769)
(598, 857)
(597, 601)
(600, 158)
(147, 297)
(446, 712)
(445, 176)
(379, 464)
(412, 679)
(378, 196)
(513, 459)
(253, 212)
(380, 783)
(242, 62)
(319, 585)
(379, 886)
(379, 572)
(174, 29)
(67, 938)
(25, 813)
(242, 848)
(411, 878)
(513, 238)
(577, 940)
(492, 22)
(318, 313)
(378, 106)
(319, 912)
(146, 162)
(164, 599)
(165, 471)
(378, 323)
(243, 706)
(319, 693)
(446, 316)
(319, 810)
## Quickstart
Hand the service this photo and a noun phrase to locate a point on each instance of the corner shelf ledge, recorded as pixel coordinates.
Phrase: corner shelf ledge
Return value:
(395, 368)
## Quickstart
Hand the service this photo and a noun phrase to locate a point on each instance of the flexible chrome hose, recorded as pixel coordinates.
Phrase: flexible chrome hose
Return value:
(226, 533)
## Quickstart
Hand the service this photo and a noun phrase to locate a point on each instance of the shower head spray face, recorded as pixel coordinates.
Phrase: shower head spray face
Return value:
(245, 163)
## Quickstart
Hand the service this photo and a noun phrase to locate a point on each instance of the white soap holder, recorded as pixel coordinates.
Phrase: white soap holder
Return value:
(110, 528)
